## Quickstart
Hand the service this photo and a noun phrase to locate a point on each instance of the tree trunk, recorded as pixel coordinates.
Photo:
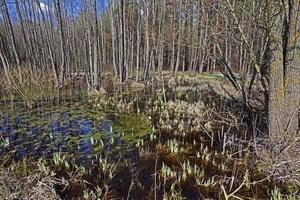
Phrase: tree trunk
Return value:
(95, 48)
(113, 38)
(62, 43)
(284, 87)
(13, 40)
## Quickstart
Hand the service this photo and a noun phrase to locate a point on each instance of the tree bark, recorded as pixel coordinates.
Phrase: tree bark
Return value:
(62, 43)
(95, 48)
(284, 89)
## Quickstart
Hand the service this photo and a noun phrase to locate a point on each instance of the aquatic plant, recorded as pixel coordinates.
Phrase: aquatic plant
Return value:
(93, 195)
(117, 147)
(189, 170)
(107, 167)
(167, 172)
(60, 160)
(173, 195)
(173, 145)
(44, 166)
(139, 142)
(276, 194)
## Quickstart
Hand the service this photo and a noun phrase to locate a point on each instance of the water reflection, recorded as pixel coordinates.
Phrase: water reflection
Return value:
(85, 134)
(81, 133)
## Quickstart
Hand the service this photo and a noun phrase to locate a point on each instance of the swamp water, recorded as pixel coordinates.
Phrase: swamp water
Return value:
(79, 130)
(107, 154)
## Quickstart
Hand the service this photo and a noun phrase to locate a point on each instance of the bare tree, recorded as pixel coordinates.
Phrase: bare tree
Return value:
(12, 37)
(62, 43)
(95, 46)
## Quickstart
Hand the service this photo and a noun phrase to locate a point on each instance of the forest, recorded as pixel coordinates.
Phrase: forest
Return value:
(150, 99)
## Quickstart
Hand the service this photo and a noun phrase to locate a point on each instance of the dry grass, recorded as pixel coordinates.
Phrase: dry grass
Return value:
(35, 186)
(280, 158)
(32, 86)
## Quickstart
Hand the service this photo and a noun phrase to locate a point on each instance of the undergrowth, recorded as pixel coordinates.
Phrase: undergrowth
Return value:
(201, 147)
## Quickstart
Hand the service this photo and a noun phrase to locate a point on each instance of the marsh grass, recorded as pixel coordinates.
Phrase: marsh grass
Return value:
(185, 146)
(26, 180)
(35, 87)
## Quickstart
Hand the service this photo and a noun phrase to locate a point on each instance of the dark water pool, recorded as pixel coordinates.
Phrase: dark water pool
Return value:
(80, 129)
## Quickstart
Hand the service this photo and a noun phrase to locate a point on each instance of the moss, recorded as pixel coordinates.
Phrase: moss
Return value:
(133, 126)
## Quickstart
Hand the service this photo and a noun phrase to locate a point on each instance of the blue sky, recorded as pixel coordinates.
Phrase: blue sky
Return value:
(101, 4)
